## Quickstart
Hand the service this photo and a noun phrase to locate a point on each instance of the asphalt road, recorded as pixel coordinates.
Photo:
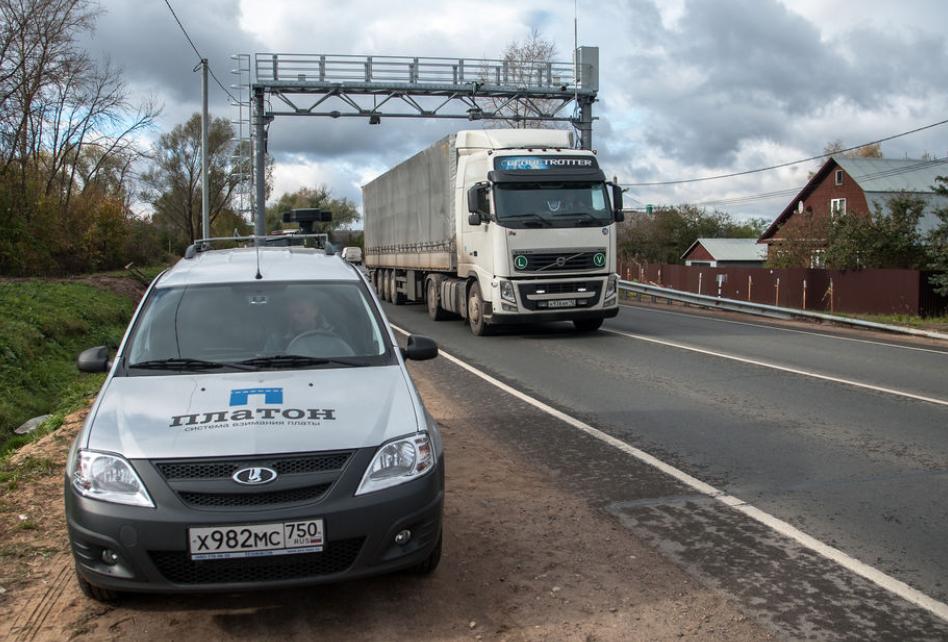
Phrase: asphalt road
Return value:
(863, 470)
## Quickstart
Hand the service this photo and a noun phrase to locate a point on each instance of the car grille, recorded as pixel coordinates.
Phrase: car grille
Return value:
(586, 293)
(175, 470)
(540, 261)
(179, 568)
(308, 493)
(207, 484)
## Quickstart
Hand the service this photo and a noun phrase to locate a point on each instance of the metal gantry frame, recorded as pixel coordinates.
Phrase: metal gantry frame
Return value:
(383, 87)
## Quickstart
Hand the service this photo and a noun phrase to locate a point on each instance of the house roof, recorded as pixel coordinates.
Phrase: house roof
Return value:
(879, 178)
(731, 249)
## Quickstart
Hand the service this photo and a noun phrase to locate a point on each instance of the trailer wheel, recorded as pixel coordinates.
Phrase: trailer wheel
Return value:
(384, 291)
(433, 301)
(475, 312)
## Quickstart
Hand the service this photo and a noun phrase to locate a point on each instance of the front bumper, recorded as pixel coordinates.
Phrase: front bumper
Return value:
(152, 544)
(535, 298)
(559, 315)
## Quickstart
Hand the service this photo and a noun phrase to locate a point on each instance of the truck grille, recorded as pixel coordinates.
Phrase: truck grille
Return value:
(178, 567)
(586, 293)
(541, 261)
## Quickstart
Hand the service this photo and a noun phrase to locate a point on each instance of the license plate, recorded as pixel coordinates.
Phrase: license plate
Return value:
(256, 540)
(562, 303)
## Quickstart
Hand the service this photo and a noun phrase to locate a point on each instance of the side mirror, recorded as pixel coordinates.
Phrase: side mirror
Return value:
(617, 203)
(474, 218)
(94, 360)
(477, 203)
(420, 348)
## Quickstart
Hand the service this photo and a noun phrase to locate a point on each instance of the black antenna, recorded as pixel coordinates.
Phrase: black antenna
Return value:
(257, 245)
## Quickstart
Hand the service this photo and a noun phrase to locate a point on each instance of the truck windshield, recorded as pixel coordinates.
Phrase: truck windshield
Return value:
(529, 205)
(256, 326)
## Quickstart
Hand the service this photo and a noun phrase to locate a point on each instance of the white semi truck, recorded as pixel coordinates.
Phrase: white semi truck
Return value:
(497, 226)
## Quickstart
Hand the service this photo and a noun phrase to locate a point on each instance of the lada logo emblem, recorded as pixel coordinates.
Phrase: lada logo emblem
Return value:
(254, 476)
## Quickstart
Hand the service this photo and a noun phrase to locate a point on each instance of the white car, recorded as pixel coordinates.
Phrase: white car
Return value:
(257, 429)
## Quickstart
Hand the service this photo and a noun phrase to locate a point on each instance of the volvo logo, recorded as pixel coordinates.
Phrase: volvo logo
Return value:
(560, 261)
(254, 476)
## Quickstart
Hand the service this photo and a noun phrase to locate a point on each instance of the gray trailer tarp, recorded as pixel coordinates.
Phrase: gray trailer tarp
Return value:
(409, 212)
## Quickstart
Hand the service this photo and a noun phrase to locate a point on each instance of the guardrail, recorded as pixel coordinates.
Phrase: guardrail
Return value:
(762, 309)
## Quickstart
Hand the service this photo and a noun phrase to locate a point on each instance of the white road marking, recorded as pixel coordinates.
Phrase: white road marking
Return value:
(825, 335)
(774, 366)
(877, 577)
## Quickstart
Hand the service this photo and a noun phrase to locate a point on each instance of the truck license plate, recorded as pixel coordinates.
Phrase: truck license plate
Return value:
(256, 540)
(562, 303)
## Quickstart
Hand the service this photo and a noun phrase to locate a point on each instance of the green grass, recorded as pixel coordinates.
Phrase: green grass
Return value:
(43, 327)
(908, 320)
(150, 271)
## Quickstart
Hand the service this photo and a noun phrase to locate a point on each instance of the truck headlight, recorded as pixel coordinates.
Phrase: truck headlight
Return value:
(109, 478)
(611, 287)
(507, 291)
(397, 462)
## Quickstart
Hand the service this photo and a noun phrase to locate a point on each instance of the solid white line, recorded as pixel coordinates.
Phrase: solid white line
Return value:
(825, 335)
(774, 366)
(877, 577)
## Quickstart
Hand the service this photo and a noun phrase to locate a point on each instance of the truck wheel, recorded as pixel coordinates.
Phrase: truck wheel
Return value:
(587, 325)
(475, 312)
(387, 285)
(398, 298)
(432, 300)
(377, 283)
(105, 596)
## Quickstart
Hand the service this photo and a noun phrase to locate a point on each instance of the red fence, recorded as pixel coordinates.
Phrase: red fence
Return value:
(863, 291)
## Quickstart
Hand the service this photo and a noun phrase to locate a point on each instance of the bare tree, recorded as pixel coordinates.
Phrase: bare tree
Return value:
(524, 63)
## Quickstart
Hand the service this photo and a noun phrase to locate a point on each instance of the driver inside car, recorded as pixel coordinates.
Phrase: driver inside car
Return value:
(303, 319)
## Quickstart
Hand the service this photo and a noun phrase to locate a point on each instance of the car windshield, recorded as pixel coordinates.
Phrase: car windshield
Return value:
(528, 205)
(256, 326)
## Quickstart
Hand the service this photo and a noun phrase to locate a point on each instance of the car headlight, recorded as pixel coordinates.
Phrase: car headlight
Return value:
(397, 462)
(610, 287)
(507, 291)
(109, 478)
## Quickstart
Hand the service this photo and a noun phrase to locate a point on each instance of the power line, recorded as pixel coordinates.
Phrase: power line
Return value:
(789, 163)
(738, 200)
(200, 57)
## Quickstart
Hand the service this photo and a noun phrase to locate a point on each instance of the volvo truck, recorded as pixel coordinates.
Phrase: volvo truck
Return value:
(497, 226)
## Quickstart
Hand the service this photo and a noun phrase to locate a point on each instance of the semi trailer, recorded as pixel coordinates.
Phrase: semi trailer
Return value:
(496, 226)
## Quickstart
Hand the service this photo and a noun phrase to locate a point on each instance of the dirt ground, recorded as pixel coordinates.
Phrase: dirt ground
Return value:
(523, 560)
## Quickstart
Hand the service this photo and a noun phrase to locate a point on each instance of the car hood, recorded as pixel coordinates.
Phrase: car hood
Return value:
(211, 415)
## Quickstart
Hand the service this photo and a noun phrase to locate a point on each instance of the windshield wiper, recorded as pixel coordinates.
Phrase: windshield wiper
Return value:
(296, 361)
(178, 363)
(532, 215)
(588, 217)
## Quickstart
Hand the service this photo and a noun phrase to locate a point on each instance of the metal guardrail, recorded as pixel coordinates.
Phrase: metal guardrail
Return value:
(762, 309)
(282, 67)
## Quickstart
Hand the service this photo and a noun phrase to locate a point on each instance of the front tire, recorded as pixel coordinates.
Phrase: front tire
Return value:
(587, 325)
(475, 312)
(99, 594)
(428, 566)
(432, 300)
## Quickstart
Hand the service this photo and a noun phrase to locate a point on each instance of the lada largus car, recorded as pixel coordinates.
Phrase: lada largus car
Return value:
(257, 429)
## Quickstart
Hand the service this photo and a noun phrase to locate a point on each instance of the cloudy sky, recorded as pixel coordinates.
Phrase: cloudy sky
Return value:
(688, 88)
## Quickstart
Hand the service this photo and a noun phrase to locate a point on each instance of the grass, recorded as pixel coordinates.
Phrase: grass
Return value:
(43, 327)
(150, 271)
(908, 320)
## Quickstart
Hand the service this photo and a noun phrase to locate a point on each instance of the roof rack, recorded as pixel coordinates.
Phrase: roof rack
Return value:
(203, 245)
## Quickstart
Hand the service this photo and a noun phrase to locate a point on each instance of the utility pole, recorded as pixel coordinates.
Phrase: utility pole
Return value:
(260, 162)
(205, 183)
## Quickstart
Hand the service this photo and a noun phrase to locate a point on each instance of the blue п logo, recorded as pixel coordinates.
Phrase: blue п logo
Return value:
(240, 396)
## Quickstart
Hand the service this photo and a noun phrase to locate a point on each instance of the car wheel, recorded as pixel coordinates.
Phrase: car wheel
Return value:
(431, 562)
(475, 312)
(99, 594)
(587, 325)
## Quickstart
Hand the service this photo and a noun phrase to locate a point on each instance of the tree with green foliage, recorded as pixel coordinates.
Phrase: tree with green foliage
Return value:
(344, 212)
(938, 242)
(172, 183)
(664, 235)
(801, 242)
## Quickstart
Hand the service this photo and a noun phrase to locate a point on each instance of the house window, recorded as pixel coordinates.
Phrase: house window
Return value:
(837, 207)
(839, 177)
